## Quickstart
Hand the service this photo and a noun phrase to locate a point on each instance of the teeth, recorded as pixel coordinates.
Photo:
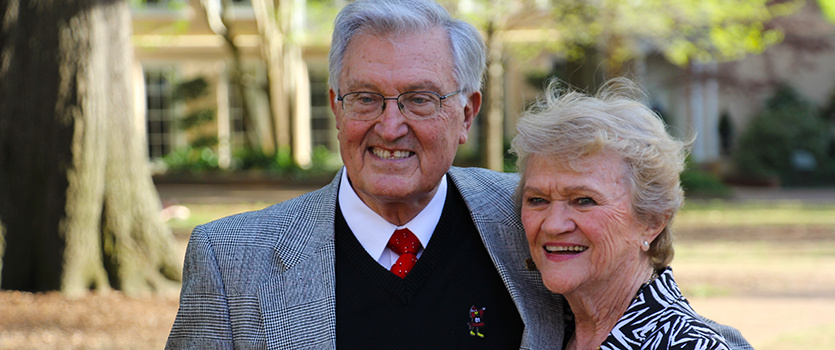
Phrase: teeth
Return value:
(556, 249)
(385, 154)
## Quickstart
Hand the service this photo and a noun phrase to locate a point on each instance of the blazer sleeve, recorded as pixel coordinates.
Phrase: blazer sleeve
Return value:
(732, 336)
(202, 320)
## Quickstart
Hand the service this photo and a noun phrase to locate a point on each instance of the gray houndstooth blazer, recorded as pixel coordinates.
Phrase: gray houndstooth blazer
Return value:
(265, 279)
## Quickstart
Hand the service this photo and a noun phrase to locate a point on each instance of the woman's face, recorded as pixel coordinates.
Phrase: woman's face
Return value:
(581, 229)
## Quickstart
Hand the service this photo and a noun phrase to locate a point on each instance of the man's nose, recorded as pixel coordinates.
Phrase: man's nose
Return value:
(392, 123)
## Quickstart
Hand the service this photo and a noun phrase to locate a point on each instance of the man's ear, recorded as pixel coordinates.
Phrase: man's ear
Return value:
(470, 111)
(334, 103)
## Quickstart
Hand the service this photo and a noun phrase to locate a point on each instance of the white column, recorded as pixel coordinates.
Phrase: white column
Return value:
(704, 111)
(697, 113)
(224, 148)
(302, 134)
(711, 100)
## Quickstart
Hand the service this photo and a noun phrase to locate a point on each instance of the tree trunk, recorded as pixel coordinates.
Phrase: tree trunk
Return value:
(287, 88)
(493, 140)
(78, 209)
(272, 43)
(251, 141)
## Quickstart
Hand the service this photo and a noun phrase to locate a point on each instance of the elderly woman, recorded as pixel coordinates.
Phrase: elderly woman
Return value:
(599, 188)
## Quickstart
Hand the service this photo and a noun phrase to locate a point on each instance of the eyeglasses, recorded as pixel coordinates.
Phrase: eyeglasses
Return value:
(415, 105)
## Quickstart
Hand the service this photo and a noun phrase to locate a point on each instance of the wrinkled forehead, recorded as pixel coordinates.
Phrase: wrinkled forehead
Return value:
(411, 61)
(401, 37)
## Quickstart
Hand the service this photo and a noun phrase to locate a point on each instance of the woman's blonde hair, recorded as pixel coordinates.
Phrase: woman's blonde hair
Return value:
(567, 125)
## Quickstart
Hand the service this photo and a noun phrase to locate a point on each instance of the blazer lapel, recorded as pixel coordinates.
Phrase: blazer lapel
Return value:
(298, 299)
(490, 198)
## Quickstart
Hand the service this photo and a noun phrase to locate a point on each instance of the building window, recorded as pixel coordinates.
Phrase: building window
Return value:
(236, 119)
(322, 124)
(159, 110)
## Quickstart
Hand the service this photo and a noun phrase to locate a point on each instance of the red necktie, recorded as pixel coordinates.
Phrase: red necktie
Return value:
(405, 243)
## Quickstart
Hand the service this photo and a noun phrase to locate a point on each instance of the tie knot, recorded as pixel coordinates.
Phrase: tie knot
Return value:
(403, 241)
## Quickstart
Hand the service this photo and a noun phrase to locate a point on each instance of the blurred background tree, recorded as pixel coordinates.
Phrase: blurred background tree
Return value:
(279, 25)
(78, 209)
(787, 143)
(610, 34)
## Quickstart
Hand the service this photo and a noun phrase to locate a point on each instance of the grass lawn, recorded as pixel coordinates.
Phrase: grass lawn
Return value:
(735, 214)
(203, 213)
(766, 268)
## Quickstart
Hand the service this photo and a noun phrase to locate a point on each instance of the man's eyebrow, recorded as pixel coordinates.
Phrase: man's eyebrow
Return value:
(360, 86)
(426, 85)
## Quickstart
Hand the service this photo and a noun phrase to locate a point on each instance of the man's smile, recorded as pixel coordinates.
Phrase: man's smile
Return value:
(386, 154)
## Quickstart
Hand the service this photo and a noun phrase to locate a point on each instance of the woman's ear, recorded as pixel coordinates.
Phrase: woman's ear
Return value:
(654, 228)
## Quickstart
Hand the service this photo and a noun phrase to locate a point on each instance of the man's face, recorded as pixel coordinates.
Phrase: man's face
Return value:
(392, 159)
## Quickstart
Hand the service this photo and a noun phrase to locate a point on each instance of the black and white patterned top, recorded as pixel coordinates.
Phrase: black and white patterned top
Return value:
(661, 318)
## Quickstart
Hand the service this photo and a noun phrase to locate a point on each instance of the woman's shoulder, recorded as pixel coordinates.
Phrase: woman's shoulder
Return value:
(677, 325)
(661, 318)
(679, 329)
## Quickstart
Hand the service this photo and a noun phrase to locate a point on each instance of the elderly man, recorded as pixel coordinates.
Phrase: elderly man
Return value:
(401, 250)
(318, 271)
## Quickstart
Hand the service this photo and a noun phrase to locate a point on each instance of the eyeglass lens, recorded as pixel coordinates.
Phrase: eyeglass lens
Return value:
(369, 105)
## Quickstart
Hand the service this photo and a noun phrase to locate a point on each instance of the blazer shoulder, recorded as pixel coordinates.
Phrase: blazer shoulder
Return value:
(294, 219)
(484, 179)
(490, 195)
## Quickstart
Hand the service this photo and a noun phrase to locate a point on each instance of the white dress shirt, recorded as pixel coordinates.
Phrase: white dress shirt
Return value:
(373, 232)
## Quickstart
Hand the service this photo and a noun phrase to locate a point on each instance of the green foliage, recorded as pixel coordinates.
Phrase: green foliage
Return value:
(324, 162)
(684, 30)
(200, 154)
(828, 110)
(319, 23)
(828, 9)
(723, 30)
(196, 118)
(204, 141)
(509, 160)
(191, 159)
(699, 183)
(788, 128)
(726, 133)
(249, 159)
(173, 5)
(203, 159)
(190, 89)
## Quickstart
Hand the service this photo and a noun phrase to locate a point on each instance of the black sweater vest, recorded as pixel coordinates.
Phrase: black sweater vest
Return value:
(452, 299)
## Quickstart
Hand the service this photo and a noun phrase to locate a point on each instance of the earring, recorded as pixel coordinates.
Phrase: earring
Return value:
(646, 246)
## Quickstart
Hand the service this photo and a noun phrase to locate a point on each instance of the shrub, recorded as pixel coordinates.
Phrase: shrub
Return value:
(700, 183)
(788, 140)
(190, 159)
(324, 163)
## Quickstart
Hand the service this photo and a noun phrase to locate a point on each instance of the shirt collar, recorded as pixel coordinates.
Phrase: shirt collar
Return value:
(373, 232)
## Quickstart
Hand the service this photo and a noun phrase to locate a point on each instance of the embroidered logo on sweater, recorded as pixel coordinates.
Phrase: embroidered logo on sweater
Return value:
(476, 321)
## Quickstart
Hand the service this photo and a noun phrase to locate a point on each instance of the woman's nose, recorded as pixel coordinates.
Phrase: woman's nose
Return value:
(559, 219)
